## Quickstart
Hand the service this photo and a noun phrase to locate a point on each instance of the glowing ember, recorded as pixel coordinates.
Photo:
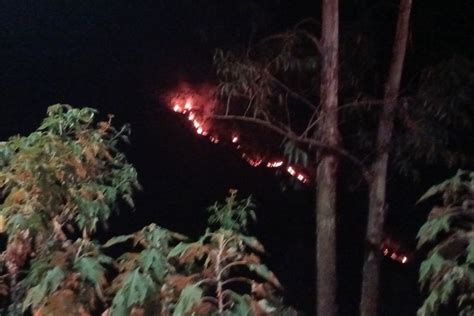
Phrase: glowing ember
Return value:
(188, 105)
(235, 139)
(254, 162)
(191, 116)
(291, 171)
(177, 108)
(200, 131)
(274, 164)
(392, 250)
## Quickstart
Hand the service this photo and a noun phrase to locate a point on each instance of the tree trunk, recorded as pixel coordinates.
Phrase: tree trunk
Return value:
(377, 186)
(326, 174)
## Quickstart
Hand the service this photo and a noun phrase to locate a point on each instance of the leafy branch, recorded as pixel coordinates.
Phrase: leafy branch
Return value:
(447, 272)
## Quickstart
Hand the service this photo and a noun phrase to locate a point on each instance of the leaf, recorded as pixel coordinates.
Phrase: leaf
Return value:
(434, 190)
(136, 288)
(446, 290)
(157, 236)
(265, 305)
(48, 285)
(129, 200)
(155, 262)
(180, 249)
(430, 305)
(119, 307)
(241, 304)
(117, 240)
(52, 279)
(265, 273)
(470, 252)
(430, 267)
(442, 187)
(432, 229)
(252, 242)
(90, 270)
(103, 259)
(190, 296)
(34, 297)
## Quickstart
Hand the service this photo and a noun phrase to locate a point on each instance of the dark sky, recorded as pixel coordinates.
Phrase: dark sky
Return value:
(118, 55)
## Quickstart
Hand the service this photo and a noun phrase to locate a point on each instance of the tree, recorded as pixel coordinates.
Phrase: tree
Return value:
(260, 80)
(269, 90)
(326, 172)
(378, 181)
(447, 272)
(61, 182)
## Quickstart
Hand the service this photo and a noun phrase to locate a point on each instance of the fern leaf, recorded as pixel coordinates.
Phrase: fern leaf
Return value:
(190, 296)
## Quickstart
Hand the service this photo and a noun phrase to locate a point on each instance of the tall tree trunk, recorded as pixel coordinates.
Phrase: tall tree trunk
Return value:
(377, 186)
(326, 174)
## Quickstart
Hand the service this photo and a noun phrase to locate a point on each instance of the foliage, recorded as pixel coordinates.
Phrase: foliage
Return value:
(448, 272)
(273, 86)
(65, 179)
(232, 215)
(67, 172)
(436, 122)
(225, 273)
(141, 274)
(66, 272)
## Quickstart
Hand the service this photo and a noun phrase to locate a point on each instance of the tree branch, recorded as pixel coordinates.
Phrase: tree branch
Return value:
(302, 140)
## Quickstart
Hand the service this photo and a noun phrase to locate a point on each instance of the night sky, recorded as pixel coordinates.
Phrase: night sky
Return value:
(119, 56)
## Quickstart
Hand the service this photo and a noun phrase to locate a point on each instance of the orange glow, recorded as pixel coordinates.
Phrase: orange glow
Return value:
(188, 105)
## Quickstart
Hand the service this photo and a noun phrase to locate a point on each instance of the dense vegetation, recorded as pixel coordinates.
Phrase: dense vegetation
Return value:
(64, 180)
(448, 272)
